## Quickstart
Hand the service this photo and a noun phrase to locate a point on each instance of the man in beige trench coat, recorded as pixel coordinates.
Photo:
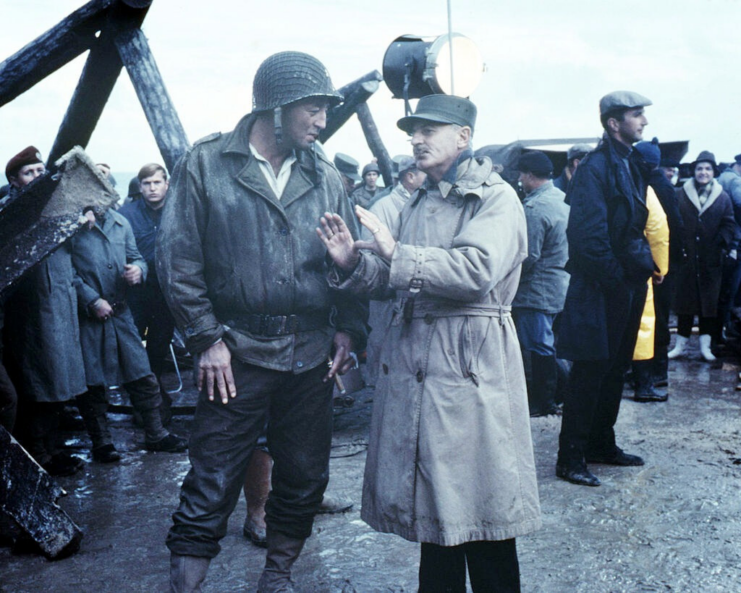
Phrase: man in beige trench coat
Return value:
(450, 462)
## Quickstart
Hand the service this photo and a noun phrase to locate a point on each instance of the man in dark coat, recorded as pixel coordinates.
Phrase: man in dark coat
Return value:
(573, 157)
(44, 356)
(245, 279)
(151, 314)
(610, 262)
(106, 263)
(366, 192)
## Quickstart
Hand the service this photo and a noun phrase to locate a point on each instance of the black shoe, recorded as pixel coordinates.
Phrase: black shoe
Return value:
(106, 454)
(170, 444)
(616, 457)
(63, 464)
(649, 394)
(257, 535)
(577, 473)
(552, 410)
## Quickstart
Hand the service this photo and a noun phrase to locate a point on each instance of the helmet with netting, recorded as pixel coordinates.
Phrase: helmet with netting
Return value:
(290, 76)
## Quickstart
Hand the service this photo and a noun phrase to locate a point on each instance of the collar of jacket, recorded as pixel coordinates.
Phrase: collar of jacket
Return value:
(691, 191)
(239, 143)
(472, 174)
(536, 193)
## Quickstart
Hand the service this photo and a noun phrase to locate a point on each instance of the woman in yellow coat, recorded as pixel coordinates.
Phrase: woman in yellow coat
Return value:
(657, 233)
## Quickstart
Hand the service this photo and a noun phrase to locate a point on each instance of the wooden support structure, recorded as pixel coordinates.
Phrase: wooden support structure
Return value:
(375, 143)
(145, 76)
(355, 93)
(110, 30)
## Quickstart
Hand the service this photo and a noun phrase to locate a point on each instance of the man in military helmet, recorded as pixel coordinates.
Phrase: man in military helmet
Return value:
(366, 191)
(245, 278)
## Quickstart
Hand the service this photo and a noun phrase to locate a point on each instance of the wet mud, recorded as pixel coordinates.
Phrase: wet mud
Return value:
(671, 525)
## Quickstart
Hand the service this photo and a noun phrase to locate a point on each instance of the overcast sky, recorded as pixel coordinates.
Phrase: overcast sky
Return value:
(548, 63)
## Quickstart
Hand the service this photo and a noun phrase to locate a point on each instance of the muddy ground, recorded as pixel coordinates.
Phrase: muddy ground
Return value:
(671, 525)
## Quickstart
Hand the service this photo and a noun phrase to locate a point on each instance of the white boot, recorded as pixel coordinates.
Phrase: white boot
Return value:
(707, 354)
(679, 347)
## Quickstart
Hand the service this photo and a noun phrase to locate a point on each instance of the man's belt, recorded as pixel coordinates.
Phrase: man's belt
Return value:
(280, 325)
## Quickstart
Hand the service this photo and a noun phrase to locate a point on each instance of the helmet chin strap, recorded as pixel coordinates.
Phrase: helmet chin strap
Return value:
(278, 123)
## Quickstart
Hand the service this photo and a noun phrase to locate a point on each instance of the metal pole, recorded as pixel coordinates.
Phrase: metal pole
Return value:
(450, 44)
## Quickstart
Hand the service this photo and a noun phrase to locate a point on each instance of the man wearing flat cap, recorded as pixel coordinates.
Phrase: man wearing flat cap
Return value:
(730, 181)
(451, 369)
(610, 263)
(542, 290)
(348, 168)
(573, 157)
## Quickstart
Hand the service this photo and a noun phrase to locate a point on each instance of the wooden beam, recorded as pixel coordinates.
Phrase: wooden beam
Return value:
(52, 50)
(375, 143)
(97, 79)
(96, 83)
(355, 93)
(161, 114)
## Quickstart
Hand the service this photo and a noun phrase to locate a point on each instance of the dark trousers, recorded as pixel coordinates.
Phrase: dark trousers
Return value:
(222, 441)
(707, 325)
(8, 400)
(728, 289)
(492, 567)
(662, 306)
(592, 402)
(154, 322)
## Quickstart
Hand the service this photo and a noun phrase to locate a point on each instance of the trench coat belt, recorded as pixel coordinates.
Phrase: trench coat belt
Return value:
(432, 310)
(280, 325)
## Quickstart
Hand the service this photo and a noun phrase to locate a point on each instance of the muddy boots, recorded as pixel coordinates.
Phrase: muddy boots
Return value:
(187, 573)
(282, 553)
(93, 406)
(543, 384)
(146, 399)
(256, 491)
(644, 383)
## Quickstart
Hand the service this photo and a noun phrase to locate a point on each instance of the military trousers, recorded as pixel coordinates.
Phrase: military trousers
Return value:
(222, 440)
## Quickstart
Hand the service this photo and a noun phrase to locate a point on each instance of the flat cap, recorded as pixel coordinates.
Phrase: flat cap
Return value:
(347, 165)
(618, 100)
(407, 164)
(444, 109)
(535, 162)
(27, 156)
(578, 151)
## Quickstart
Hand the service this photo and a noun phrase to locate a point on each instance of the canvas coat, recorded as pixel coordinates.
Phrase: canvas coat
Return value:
(709, 233)
(41, 320)
(238, 251)
(112, 349)
(450, 457)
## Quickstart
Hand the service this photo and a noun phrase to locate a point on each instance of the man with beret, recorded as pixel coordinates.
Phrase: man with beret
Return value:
(245, 278)
(610, 263)
(573, 157)
(542, 290)
(45, 359)
(348, 168)
(450, 459)
(366, 191)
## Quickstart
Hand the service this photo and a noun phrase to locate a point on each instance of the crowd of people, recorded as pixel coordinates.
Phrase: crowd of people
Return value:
(477, 304)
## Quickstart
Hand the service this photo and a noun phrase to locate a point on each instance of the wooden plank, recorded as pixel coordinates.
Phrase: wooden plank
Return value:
(375, 143)
(97, 80)
(161, 114)
(52, 50)
(355, 93)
